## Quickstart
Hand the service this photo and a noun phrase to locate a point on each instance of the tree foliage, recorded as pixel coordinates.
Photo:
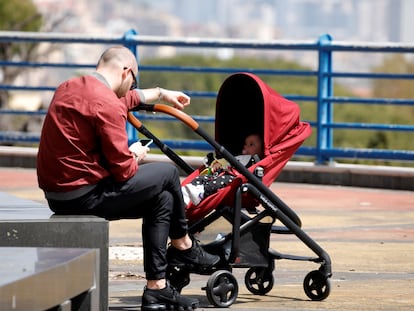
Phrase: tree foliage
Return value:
(399, 89)
(19, 15)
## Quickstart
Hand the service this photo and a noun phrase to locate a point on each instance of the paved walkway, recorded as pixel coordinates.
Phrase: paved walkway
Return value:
(368, 233)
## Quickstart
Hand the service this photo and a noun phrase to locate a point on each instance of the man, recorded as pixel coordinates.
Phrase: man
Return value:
(85, 166)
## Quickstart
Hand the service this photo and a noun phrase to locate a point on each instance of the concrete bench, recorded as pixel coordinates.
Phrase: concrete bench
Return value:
(25, 223)
(40, 279)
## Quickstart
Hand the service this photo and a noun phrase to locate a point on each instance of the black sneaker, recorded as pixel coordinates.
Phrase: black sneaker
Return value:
(195, 258)
(167, 298)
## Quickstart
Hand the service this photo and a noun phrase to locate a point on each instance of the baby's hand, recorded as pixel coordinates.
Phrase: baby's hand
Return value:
(219, 164)
(215, 166)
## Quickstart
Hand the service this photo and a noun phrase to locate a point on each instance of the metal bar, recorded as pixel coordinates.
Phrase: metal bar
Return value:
(324, 114)
(371, 126)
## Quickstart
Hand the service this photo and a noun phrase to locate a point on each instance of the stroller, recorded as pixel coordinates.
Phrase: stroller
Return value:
(245, 104)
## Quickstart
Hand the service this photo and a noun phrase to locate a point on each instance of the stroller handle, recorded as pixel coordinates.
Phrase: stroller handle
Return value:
(180, 115)
(163, 147)
(134, 121)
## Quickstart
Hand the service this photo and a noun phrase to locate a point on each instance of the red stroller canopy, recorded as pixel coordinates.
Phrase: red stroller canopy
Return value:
(246, 105)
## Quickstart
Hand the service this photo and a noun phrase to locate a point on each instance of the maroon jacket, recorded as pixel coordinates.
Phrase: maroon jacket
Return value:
(83, 138)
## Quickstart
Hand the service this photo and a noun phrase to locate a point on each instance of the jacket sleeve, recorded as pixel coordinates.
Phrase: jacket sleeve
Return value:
(111, 122)
(132, 99)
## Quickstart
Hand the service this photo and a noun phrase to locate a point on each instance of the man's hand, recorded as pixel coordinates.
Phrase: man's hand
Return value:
(139, 151)
(178, 99)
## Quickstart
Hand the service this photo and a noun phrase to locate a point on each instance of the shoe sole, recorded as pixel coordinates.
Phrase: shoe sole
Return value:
(164, 307)
(154, 307)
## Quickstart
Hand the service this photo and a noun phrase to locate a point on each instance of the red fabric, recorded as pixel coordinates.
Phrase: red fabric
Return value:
(83, 138)
(282, 130)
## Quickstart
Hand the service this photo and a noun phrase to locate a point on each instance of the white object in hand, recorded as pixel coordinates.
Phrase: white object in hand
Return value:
(139, 150)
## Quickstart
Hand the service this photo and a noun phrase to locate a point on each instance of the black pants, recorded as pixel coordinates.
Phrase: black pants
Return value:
(153, 194)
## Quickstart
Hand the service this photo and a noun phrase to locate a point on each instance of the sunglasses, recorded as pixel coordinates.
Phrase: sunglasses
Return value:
(134, 84)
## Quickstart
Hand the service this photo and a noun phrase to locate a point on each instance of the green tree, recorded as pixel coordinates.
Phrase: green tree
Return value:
(19, 15)
(397, 64)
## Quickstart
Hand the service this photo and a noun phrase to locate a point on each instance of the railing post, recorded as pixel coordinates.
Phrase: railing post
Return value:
(324, 106)
(131, 131)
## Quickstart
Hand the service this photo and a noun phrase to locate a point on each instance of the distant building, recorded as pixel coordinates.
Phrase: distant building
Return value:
(400, 28)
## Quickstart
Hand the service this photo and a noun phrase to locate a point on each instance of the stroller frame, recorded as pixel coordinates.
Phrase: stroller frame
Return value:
(222, 287)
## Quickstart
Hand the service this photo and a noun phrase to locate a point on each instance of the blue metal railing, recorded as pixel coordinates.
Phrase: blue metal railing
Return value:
(325, 48)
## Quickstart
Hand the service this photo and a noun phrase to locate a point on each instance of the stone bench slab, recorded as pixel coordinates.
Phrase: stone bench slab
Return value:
(43, 278)
(24, 223)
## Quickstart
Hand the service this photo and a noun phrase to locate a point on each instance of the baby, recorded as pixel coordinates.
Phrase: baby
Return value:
(212, 178)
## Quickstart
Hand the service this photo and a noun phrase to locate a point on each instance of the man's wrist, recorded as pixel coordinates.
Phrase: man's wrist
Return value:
(160, 93)
(136, 157)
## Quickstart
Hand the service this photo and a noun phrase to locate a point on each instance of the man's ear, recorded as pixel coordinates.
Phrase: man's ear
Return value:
(125, 73)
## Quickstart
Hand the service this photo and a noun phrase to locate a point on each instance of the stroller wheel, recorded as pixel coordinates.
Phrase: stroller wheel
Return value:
(222, 289)
(259, 280)
(316, 285)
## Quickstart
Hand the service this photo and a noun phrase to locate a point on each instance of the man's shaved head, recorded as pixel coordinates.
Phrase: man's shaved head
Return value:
(119, 56)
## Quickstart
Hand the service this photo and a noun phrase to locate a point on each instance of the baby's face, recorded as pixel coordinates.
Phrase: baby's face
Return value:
(253, 145)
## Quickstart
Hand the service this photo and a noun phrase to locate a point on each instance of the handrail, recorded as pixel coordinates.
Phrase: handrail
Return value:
(324, 126)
